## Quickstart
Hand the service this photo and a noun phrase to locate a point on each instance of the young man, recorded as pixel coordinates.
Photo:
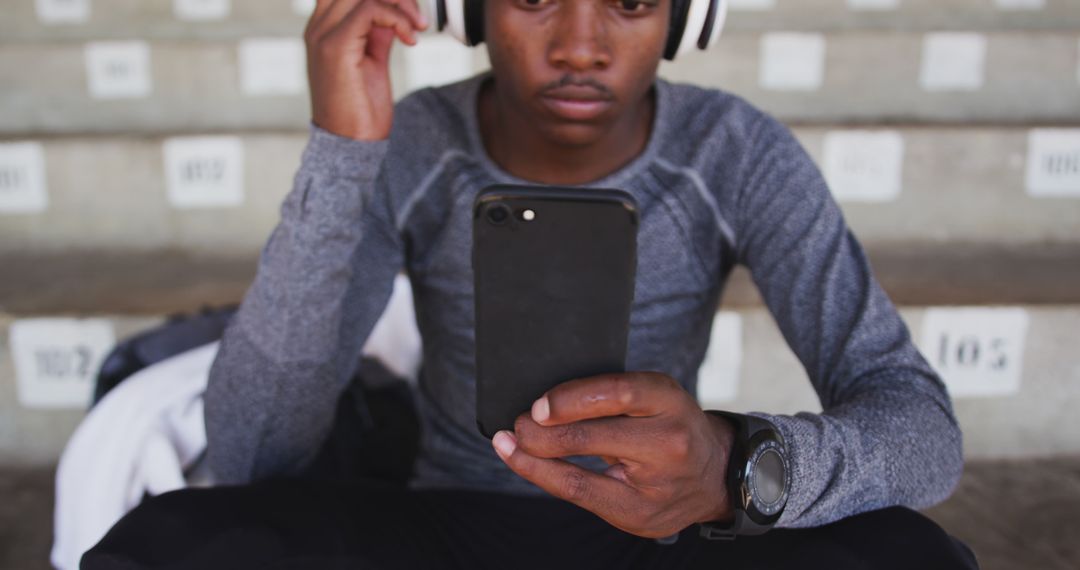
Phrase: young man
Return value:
(600, 466)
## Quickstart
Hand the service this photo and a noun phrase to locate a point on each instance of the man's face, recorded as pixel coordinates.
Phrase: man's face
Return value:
(573, 68)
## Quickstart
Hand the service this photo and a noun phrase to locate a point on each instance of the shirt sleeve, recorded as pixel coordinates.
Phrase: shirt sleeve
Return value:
(324, 278)
(887, 434)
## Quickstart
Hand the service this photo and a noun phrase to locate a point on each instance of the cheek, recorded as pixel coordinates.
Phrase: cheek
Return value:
(646, 39)
(505, 32)
(509, 55)
(639, 58)
(513, 58)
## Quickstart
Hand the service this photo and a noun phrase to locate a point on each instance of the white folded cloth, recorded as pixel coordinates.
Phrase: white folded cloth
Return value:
(140, 438)
(146, 436)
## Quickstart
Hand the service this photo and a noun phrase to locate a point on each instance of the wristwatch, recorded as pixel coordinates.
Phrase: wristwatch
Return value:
(758, 478)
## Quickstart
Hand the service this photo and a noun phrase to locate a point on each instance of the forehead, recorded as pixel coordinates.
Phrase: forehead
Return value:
(482, 4)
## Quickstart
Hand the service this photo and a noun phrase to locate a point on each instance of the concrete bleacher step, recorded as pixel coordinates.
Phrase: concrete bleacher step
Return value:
(905, 15)
(35, 435)
(901, 188)
(114, 195)
(190, 86)
(969, 78)
(169, 282)
(1000, 365)
(168, 19)
(38, 20)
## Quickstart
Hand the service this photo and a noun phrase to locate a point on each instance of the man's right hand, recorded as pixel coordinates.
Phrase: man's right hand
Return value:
(348, 53)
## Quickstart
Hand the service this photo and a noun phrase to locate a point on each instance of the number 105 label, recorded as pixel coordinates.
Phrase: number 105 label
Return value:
(977, 351)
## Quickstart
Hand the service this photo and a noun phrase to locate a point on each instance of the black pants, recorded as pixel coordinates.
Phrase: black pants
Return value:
(310, 524)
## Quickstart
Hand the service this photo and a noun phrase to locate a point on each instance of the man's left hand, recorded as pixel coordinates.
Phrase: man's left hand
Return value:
(667, 458)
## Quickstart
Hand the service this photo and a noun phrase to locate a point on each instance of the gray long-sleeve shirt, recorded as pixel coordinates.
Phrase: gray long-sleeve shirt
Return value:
(719, 183)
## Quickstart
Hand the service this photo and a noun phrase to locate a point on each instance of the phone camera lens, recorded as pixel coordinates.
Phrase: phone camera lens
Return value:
(498, 214)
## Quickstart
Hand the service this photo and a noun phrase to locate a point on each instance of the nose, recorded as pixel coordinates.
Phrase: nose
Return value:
(580, 41)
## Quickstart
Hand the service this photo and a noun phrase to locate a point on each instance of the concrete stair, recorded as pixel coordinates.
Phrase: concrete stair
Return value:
(115, 19)
(902, 15)
(813, 77)
(953, 187)
(187, 86)
(1003, 418)
(949, 131)
(159, 19)
(949, 172)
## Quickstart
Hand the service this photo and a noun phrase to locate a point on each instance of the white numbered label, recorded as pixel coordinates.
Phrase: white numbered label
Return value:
(792, 61)
(437, 60)
(977, 351)
(873, 4)
(56, 360)
(303, 7)
(62, 11)
(196, 10)
(272, 66)
(864, 166)
(1053, 163)
(718, 378)
(22, 178)
(953, 62)
(1020, 4)
(118, 70)
(752, 5)
(204, 172)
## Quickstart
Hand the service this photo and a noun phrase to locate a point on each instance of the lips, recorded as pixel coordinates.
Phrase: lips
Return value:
(576, 102)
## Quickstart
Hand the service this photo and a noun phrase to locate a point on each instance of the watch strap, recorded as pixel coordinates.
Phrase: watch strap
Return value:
(746, 427)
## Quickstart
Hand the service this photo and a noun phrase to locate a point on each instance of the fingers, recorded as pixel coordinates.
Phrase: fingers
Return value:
(355, 18)
(632, 441)
(321, 6)
(328, 13)
(639, 394)
(370, 15)
(412, 8)
(605, 496)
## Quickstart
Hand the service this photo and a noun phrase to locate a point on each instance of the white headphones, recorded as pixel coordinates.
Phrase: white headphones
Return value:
(694, 23)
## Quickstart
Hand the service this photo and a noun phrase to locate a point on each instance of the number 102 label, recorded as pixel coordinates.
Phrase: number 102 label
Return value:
(56, 360)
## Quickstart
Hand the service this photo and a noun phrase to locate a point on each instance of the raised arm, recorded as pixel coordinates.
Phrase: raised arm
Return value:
(327, 271)
(886, 435)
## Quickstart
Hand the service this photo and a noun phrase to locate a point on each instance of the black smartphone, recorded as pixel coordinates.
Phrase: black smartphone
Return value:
(554, 272)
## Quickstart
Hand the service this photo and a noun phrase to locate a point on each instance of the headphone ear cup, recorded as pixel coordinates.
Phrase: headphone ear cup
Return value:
(451, 17)
(435, 12)
(710, 34)
(474, 21)
(680, 10)
(700, 23)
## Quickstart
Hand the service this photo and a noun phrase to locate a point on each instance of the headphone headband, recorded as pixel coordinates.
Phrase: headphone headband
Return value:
(695, 24)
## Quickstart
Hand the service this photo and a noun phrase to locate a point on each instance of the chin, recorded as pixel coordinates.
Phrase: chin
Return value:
(575, 134)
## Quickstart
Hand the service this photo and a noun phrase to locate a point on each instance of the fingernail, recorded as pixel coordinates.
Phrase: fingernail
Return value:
(504, 444)
(541, 410)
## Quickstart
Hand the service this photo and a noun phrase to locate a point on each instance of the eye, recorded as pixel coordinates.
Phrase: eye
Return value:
(634, 6)
(535, 3)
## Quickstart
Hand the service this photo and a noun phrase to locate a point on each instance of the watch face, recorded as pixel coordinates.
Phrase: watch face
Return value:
(767, 478)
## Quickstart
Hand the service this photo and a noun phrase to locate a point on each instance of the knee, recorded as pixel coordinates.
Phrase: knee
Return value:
(158, 530)
(902, 538)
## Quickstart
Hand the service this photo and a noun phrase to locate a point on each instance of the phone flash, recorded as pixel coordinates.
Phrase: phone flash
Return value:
(528, 215)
